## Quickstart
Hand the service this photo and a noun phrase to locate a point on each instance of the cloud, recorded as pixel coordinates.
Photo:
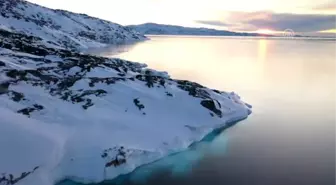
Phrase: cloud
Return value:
(250, 21)
(213, 23)
(330, 6)
(296, 22)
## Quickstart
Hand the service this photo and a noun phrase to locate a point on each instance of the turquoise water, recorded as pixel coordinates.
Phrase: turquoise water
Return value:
(290, 137)
(179, 164)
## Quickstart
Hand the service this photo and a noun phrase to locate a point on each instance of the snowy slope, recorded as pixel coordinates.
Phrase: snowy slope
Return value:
(87, 118)
(62, 28)
(161, 29)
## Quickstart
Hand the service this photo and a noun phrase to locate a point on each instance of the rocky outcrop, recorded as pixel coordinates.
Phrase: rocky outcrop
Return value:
(61, 28)
(141, 114)
(10, 179)
(59, 78)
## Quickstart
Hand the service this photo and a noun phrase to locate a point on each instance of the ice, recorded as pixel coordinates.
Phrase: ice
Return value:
(78, 155)
(60, 28)
(27, 144)
(56, 123)
(67, 141)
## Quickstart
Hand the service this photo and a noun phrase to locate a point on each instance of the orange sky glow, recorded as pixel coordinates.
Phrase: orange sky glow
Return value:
(240, 15)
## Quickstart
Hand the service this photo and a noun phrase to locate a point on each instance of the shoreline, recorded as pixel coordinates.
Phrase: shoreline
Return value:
(114, 104)
(208, 137)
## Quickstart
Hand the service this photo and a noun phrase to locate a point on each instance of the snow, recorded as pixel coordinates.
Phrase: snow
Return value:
(106, 125)
(132, 121)
(28, 143)
(67, 141)
(63, 28)
(156, 73)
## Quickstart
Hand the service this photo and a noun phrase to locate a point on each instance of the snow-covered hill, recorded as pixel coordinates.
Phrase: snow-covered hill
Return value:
(62, 28)
(161, 29)
(88, 118)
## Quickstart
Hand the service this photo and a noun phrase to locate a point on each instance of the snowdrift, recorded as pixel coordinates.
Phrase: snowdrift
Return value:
(66, 115)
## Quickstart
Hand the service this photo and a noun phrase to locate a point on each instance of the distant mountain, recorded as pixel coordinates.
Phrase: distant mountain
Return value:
(62, 28)
(161, 29)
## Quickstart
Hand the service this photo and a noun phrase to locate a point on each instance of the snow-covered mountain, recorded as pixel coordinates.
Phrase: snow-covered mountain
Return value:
(88, 118)
(62, 28)
(161, 29)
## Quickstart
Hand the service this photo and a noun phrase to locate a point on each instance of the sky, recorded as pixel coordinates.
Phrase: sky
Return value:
(300, 16)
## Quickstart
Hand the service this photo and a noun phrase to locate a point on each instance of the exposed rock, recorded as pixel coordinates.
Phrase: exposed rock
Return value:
(15, 96)
(88, 104)
(108, 81)
(4, 87)
(11, 180)
(194, 89)
(28, 110)
(118, 159)
(60, 79)
(216, 91)
(210, 104)
(151, 80)
(81, 31)
(169, 94)
(53, 86)
(138, 104)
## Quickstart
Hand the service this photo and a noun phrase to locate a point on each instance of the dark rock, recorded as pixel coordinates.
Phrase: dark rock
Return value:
(138, 104)
(104, 155)
(210, 104)
(169, 94)
(59, 80)
(15, 73)
(26, 111)
(219, 104)
(117, 161)
(248, 105)
(108, 81)
(88, 104)
(16, 96)
(150, 79)
(38, 107)
(37, 167)
(89, 35)
(4, 87)
(68, 82)
(194, 89)
(216, 91)
(2, 63)
(11, 180)
(162, 82)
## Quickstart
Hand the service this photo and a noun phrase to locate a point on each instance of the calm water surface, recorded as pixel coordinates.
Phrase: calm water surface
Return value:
(290, 137)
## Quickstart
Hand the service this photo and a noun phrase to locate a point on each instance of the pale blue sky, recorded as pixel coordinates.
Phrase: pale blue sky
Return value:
(236, 15)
